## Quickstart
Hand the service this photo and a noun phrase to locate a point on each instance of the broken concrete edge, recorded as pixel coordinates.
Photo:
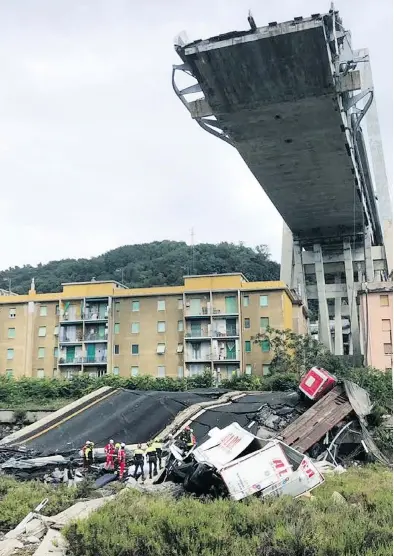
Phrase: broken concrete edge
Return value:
(52, 419)
(189, 414)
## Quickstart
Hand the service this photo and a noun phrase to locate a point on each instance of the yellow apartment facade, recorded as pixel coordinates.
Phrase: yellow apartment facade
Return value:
(103, 328)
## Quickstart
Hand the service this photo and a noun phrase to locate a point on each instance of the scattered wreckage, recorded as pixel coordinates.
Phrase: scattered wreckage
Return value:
(279, 448)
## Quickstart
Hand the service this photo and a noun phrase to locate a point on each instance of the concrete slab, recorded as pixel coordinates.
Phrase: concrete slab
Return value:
(80, 510)
(53, 544)
(8, 546)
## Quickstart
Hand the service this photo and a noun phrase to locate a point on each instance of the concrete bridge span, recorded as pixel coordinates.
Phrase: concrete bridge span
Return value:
(293, 99)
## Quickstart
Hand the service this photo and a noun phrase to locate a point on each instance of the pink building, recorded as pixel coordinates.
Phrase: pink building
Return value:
(376, 316)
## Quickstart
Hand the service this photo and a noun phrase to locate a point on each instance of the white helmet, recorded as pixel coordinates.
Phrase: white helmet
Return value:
(123, 445)
(111, 441)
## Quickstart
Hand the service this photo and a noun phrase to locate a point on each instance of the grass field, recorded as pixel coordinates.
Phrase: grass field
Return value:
(144, 525)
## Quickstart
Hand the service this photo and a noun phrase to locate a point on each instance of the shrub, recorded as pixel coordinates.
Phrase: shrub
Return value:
(18, 499)
(143, 525)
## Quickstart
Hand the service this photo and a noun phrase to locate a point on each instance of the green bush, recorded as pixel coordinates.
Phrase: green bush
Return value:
(143, 525)
(18, 499)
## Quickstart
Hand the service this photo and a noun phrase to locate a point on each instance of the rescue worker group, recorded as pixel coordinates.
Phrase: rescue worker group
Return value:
(116, 457)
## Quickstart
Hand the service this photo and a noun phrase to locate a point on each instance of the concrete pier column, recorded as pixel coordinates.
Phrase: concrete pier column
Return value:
(369, 270)
(298, 273)
(351, 295)
(286, 265)
(338, 320)
(324, 320)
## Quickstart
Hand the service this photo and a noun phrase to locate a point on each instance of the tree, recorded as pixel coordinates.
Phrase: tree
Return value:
(160, 263)
(293, 353)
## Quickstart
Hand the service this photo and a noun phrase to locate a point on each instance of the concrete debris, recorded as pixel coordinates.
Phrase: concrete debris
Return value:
(32, 539)
(80, 510)
(53, 544)
(8, 546)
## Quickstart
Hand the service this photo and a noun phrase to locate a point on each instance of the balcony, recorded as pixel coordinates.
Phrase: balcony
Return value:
(229, 333)
(70, 340)
(74, 318)
(95, 360)
(198, 335)
(216, 357)
(197, 358)
(73, 361)
(96, 338)
(203, 312)
(219, 313)
(96, 316)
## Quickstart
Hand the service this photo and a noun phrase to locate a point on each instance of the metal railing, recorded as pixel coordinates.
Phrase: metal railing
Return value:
(93, 315)
(68, 340)
(73, 361)
(215, 334)
(95, 359)
(95, 338)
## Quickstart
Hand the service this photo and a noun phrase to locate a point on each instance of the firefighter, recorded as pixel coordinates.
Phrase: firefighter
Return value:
(159, 450)
(109, 451)
(121, 457)
(139, 461)
(87, 454)
(152, 459)
(188, 437)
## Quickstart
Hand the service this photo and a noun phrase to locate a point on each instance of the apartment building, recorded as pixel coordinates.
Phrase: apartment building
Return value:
(105, 328)
(376, 316)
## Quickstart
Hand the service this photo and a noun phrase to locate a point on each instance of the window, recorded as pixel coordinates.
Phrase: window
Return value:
(135, 306)
(247, 323)
(161, 348)
(386, 325)
(40, 373)
(248, 369)
(116, 349)
(42, 331)
(180, 304)
(265, 345)
(384, 300)
(264, 323)
(179, 349)
(43, 311)
(11, 332)
(56, 352)
(266, 370)
(180, 372)
(9, 373)
(161, 371)
(56, 331)
(117, 306)
(263, 300)
(41, 353)
(135, 327)
(134, 349)
(134, 371)
(246, 301)
(388, 349)
(115, 371)
(248, 346)
(57, 310)
(10, 353)
(180, 325)
(161, 305)
(161, 326)
(116, 328)
(12, 313)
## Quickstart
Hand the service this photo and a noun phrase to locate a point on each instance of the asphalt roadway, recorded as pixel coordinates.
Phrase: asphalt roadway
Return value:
(241, 411)
(126, 416)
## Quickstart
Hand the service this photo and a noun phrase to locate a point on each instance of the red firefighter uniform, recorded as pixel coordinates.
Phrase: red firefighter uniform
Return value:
(109, 451)
(121, 457)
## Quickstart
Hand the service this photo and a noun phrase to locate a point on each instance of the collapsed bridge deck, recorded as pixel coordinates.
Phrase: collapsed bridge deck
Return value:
(273, 93)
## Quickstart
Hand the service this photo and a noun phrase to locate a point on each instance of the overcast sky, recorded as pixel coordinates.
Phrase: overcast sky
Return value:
(96, 151)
